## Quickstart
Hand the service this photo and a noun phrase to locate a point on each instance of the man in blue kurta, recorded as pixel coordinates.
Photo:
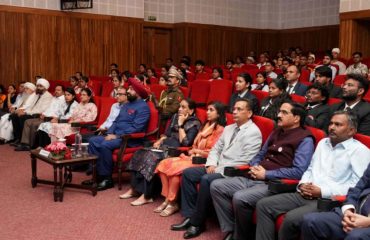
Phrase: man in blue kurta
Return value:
(132, 118)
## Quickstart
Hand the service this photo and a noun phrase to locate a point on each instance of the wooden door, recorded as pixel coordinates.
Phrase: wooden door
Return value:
(156, 46)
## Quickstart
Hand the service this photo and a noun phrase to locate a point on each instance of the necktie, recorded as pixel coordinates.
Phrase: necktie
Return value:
(290, 88)
(365, 206)
(236, 130)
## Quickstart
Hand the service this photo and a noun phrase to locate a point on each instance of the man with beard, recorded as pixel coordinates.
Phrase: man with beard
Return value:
(286, 154)
(337, 164)
(39, 105)
(170, 98)
(132, 118)
(323, 75)
(353, 90)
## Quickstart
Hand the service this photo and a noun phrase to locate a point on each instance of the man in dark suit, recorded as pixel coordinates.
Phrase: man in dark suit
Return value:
(294, 86)
(354, 89)
(318, 111)
(323, 76)
(352, 221)
(243, 87)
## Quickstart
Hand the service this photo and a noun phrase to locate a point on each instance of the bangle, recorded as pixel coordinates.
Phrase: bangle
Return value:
(181, 126)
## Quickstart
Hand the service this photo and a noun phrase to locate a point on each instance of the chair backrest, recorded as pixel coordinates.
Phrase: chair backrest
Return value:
(154, 80)
(157, 89)
(298, 98)
(229, 118)
(252, 73)
(100, 78)
(246, 67)
(153, 124)
(220, 90)
(260, 95)
(202, 115)
(318, 134)
(105, 107)
(332, 101)
(265, 125)
(236, 72)
(203, 76)
(185, 91)
(107, 89)
(95, 86)
(339, 80)
(199, 91)
(97, 101)
(305, 75)
(363, 138)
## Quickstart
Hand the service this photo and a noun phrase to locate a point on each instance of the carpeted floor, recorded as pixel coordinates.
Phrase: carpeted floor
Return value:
(31, 213)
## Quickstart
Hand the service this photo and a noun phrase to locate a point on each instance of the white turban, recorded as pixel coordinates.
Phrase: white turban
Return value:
(336, 50)
(30, 86)
(43, 82)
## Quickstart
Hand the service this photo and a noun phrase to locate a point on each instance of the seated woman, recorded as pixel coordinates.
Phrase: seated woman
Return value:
(170, 169)
(277, 95)
(182, 131)
(217, 74)
(86, 111)
(117, 82)
(10, 99)
(261, 79)
(64, 112)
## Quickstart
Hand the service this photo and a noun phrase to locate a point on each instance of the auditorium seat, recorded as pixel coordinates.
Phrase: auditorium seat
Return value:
(203, 76)
(201, 115)
(199, 91)
(107, 89)
(260, 95)
(298, 98)
(339, 80)
(247, 67)
(220, 90)
(332, 101)
(157, 89)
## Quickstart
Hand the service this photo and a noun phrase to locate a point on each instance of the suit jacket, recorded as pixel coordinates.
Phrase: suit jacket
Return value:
(320, 116)
(249, 96)
(334, 91)
(362, 109)
(300, 89)
(240, 151)
(362, 189)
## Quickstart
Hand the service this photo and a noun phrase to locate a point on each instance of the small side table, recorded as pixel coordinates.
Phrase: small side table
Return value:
(62, 180)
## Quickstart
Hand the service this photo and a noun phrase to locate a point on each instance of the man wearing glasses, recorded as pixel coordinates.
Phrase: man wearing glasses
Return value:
(286, 154)
(353, 90)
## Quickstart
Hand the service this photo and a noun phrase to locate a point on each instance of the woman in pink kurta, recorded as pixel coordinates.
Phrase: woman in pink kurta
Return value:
(86, 111)
(170, 169)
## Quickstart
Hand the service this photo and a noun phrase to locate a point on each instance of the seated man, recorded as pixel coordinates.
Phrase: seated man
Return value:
(354, 89)
(294, 86)
(318, 111)
(324, 77)
(337, 164)
(286, 154)
(38, 105)
(132, 118)
(31, 125)
(357, 67)
(238, 144)
(352, 221)
(170, 98)
(269, 69)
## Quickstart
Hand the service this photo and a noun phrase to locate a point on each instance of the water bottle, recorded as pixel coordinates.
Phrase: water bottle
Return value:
(78, 141)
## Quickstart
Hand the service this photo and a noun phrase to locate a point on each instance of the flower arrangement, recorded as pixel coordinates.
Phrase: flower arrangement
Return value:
(58, 151)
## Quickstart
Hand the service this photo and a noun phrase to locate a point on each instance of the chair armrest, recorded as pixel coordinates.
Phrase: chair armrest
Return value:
(326, 204)
(282, 185)
(237, 171)
(133, 136)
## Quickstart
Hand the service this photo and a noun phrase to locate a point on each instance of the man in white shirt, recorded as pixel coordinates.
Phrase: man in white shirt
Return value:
(31, 125)
(342, 67)
(269, 69)
(357, 66)
(337, 164)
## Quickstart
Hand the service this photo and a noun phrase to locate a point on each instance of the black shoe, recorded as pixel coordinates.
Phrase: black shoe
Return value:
(87, 182)
(14, 143)
(193, 232)
(22, 147)
(229, 236)
(181, 226)
(105, 184)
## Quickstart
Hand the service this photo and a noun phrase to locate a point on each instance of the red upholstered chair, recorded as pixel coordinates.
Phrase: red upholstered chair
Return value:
(95, 86)
(190, 76)
(154, 80)
(247, 67)
(203, 76)
(157, 89)
(332, 101)
(339, 80)
(202, 115)
(266, 126)
(298, 98)
(260, 95)
(229, 119)
(367, 96)
(199, 91)
(220, 90)
(305, 76)
(124, 153)
(107, 89)
(227, 74)
(235, 72)
(253, 73)
(100, 78)
(185, 91)
(363, 138)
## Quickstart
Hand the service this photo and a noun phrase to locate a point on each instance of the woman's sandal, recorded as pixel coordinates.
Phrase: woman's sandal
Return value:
(161, 207)
(169, 210)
